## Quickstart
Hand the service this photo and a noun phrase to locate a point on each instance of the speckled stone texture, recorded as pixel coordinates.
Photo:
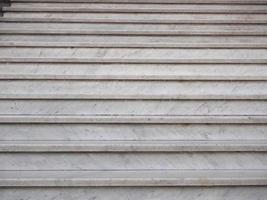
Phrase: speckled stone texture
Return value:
(133, 99)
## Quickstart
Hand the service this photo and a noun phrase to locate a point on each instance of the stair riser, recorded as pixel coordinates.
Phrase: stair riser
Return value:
(131, 161)
(135, 39)
(139, 90)
(248, 2)
(132, 193)
(129, 16)
(83, 132)
(134, 27)
(32, 71)
(196, 6)
(133, 53)
(185, 10)
(98, 107)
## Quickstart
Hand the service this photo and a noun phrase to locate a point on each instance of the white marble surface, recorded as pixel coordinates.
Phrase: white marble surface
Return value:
(131, 71)
(144, 178)
(136, 132)
(144, 5)
(133, 193)
(137, 16)
(51, 89)
(212, 109)
(134, 39)
(132, 161)
(134, 27)
(133, 53)
(133, 107)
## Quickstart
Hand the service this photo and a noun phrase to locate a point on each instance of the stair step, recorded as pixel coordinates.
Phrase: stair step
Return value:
(137, 45)
(132, 132)
(135, 27)
(133, 55)
(132, 178)
(71, 161)
(126, 32)
(247, 2)
(166, 40)
(140, 17)
(133, 146)
(178, 10)
(111, 119)
(133, 107)
(138, 90)
(137, 6)
(42, 71)
(144, 20)
(120, 193)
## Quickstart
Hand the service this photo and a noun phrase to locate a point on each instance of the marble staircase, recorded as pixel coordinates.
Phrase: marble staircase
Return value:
(133, 99)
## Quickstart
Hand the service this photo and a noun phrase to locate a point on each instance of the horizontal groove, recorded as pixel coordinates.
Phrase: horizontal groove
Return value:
(132, 61)
(121, 32)
(131, 10)
(136, 45)
(246, 2)
(106, 96)
(133, 178)
(116, 119)
(133, 146)
(130, 21)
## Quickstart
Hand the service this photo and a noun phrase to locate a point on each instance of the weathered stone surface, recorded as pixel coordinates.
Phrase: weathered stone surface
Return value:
(135, 95)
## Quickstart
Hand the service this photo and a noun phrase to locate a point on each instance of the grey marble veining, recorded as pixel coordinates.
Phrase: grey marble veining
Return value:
(134, 53)
(77, 117)
(131, 71)
(152, 193)
(133, 193)
(132, 161)
(134, 39)
(136, 16)
(105, 132)
(50, 89)
(132, 107)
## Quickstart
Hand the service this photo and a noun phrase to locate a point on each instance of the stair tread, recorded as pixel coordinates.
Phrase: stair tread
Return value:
(133, 55)
(134, 39)
(135, 27)
(133, 146)
(31, 71)
(99, 5)
(132, 132)
(133, 178)
(52, 89)
(126, 32)
(133, 107)
(133, 45)
(132, 21)
(154, 1)
(134, 10)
